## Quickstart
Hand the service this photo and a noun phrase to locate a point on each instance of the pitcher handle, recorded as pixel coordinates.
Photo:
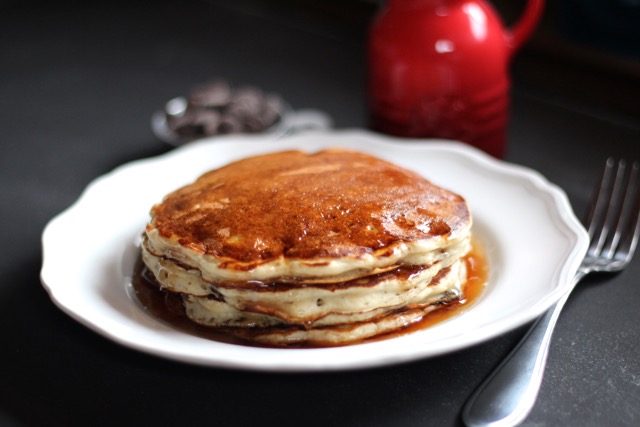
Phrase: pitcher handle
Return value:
(521, 30)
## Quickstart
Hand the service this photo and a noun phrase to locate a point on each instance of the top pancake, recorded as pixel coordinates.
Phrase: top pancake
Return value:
(294, 214)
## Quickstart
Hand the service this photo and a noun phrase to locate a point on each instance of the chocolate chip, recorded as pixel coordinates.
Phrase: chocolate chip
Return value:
(210, 95)
(216, 108)
(230, 124)
(210, 121)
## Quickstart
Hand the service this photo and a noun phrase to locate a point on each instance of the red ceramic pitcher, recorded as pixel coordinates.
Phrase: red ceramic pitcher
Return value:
(439, 68)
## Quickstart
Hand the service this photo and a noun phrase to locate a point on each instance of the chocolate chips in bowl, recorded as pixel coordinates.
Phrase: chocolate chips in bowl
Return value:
(216, 108)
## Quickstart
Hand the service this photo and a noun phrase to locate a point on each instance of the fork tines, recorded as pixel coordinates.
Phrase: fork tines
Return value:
(613, 219)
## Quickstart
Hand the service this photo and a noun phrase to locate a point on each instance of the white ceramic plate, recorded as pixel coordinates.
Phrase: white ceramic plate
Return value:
(533, 240)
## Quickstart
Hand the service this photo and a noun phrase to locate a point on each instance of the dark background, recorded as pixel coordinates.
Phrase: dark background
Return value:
(78, 83)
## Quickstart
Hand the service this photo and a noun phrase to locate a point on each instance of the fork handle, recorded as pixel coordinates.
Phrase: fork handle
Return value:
(507, 396)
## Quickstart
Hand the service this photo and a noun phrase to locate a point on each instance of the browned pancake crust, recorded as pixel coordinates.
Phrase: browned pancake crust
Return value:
(291, 204)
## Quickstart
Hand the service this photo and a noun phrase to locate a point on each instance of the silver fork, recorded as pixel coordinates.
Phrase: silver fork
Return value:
(507, 396)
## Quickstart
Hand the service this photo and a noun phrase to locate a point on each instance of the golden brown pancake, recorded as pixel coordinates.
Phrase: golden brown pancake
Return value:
(305, 210)
(337, 245)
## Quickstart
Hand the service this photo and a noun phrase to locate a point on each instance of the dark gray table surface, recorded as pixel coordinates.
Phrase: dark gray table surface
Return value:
(78, 83)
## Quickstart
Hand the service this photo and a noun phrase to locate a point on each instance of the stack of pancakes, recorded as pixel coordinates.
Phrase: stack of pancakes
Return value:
(319, 249)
